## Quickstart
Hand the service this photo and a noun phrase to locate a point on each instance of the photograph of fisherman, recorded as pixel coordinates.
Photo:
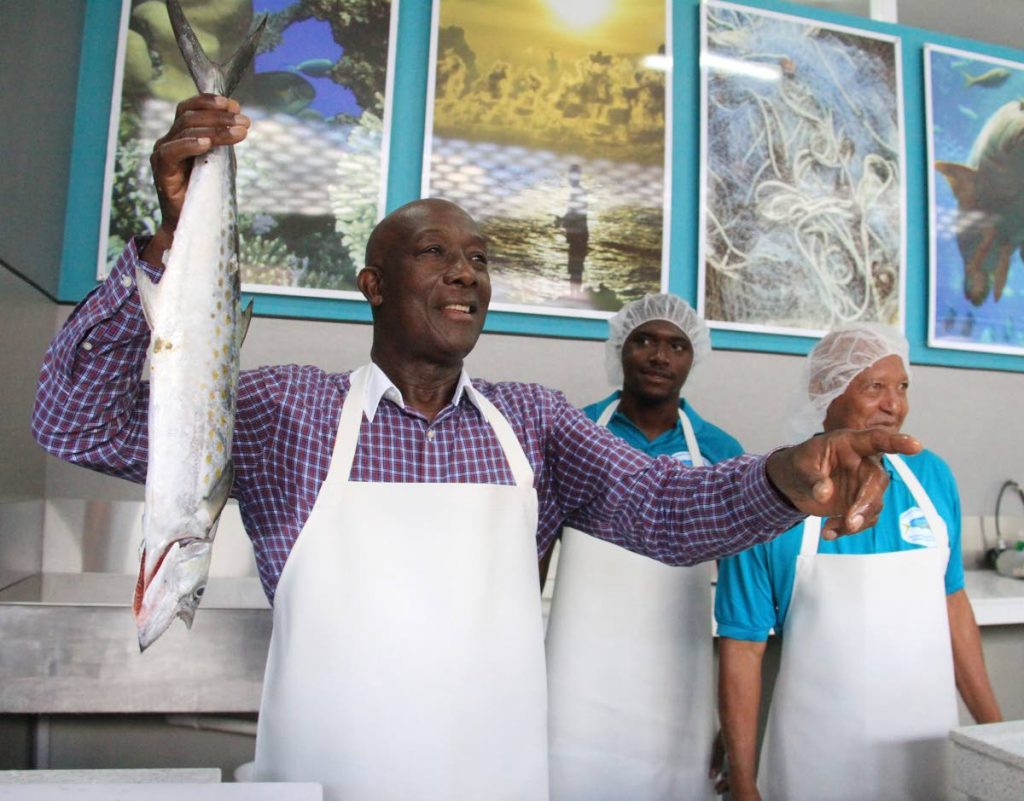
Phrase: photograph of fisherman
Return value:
(877, 631)
(396, 511)
(629, 645)
(574, 225)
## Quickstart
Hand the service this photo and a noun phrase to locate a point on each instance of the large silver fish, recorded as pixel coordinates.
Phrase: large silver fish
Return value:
(197, 328)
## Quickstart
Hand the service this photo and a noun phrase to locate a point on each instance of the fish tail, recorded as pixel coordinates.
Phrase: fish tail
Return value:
(209, 76)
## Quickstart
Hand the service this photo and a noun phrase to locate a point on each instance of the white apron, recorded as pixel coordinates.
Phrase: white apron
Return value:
(630, 673)
(865, 696)
(407, 662)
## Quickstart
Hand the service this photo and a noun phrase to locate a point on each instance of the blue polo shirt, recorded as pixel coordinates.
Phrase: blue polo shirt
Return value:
(715, 445)
(755, 586)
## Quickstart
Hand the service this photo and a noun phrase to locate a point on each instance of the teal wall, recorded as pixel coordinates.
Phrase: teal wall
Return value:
(406, 149)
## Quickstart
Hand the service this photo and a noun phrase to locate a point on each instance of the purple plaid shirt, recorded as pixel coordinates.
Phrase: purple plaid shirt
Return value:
(92, 404)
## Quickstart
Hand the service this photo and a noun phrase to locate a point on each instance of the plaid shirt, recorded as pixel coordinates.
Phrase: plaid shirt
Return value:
(92, 404)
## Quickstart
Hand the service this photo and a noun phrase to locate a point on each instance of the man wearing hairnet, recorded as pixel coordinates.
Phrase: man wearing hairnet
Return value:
(630, 663)
(865, 695)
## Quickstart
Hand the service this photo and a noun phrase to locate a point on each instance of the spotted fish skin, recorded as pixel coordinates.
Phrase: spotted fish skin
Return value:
(197, 327)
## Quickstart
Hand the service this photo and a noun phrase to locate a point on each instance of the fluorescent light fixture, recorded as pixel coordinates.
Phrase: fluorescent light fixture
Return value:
(749, 69)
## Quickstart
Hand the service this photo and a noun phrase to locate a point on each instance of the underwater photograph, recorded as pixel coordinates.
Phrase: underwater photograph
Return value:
(976, 178)
(310, 175)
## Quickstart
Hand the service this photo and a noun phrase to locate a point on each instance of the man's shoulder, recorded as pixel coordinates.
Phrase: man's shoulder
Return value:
(594, 410)
(515, 392)
(523, 402)
(929, 466)
(707, 432)
(301, 379)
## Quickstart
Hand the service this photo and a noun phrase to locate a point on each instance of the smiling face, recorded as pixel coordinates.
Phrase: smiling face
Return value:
(656, 359)
(427, 281)
(876, 398)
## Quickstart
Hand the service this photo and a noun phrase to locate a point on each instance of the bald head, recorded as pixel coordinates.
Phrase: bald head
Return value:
(402, 222)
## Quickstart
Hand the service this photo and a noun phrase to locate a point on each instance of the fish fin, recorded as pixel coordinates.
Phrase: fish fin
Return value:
(243, 324)
(234, 68)
(1002, 270)
(204, 72)
(147, 297)
(219, 492)
(963, 181)
(209, 76)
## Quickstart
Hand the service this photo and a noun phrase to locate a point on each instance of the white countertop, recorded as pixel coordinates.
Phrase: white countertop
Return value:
(997, 600)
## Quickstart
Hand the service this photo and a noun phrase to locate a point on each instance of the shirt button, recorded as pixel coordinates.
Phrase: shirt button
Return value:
(430, 435)
(126, 281)
(86, 346)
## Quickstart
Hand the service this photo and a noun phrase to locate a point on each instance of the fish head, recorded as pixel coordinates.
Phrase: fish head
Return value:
(173, 591)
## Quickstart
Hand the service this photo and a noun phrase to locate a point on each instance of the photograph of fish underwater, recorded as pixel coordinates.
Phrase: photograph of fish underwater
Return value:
(547, 121)
(311, 174)
(802, 182)
(976, 181)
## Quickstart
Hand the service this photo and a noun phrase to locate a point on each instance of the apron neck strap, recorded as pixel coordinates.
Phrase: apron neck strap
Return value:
(931, 514)
(609, 410)
(352, 418)
(517, 461)
(684, 421)
(812, 533)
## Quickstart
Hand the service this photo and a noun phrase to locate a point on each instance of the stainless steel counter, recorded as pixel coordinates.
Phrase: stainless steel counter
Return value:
(68, 645)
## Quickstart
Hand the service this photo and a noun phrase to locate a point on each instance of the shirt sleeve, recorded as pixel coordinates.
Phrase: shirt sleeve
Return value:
(659, 507)
(745, 606)
(92, 405)
(91, 402)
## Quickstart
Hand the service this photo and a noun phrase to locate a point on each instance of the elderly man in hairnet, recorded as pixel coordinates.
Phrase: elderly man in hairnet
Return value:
(875, 627)
(629, 646)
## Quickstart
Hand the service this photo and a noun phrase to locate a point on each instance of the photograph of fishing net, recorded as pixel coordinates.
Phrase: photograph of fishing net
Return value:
(312, 173)
(548, 121)
(802, 187)
(975, 128)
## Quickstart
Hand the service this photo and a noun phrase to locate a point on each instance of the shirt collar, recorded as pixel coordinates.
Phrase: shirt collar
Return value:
(617, 414)
(380, 387)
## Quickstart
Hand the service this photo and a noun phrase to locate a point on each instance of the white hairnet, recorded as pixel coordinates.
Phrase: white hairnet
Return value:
(839, 357)
(664, 306)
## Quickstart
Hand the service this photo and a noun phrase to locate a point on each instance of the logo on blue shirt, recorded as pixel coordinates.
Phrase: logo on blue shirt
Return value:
(914, 528)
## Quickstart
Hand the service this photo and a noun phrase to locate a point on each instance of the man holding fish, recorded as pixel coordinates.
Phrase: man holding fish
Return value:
(397, 510)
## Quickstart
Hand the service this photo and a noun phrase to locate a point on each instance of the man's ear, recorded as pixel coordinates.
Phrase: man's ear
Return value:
(371, 283)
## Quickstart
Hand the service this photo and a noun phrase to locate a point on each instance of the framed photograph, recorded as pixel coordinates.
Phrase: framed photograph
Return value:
(550, 128)
(312, 173)
(802, 177)
(975, 128)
